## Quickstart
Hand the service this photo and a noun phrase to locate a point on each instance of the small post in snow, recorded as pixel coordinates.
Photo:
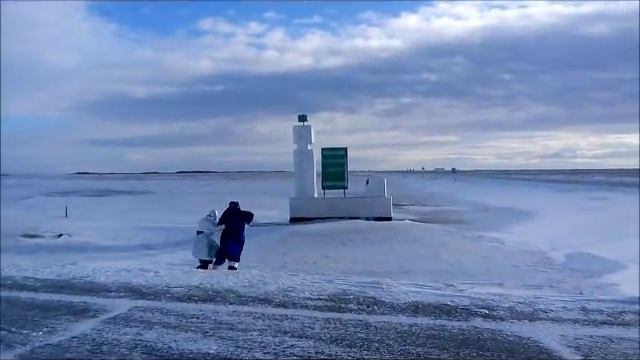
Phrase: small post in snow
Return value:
(66, 213)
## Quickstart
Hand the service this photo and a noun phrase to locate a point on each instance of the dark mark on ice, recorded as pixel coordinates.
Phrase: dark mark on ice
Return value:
(43, 235)
(591, 264)
(475, 215)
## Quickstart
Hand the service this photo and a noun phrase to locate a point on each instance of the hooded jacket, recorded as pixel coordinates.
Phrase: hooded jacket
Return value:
(205, 245)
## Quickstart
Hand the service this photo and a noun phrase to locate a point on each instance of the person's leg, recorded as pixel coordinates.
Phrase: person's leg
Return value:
(234, 255)
(204, 264)
(221, 254)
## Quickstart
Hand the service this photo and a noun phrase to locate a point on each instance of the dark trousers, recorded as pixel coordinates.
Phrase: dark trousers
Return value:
(229, 250)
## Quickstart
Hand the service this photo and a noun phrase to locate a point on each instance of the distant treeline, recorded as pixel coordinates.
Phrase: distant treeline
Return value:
(613, 171)
(176, 172)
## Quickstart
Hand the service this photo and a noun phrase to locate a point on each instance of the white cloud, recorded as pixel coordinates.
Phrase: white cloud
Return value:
(226, 27)
(370, 16)
(44, 58)
(272, 15)
(315, 19)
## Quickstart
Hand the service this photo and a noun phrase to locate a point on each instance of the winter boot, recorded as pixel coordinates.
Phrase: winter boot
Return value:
(204, 264)
(232, 265)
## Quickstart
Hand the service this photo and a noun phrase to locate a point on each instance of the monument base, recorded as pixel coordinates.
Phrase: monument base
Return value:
(378, 208)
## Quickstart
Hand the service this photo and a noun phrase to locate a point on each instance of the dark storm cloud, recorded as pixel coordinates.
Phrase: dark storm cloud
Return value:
(220, 137)
(582, 79)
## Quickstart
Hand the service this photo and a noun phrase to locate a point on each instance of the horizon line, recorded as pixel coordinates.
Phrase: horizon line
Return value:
(182, 172)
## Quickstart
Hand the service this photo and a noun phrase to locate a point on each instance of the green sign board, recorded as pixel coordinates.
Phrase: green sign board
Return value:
(335, 168)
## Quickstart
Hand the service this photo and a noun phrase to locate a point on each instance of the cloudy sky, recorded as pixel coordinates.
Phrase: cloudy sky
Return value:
(168, 86)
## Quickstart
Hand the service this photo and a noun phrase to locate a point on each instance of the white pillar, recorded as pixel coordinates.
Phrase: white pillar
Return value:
(304, 161)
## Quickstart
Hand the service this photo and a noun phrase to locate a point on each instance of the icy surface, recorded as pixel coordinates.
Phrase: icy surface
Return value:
(525, 263)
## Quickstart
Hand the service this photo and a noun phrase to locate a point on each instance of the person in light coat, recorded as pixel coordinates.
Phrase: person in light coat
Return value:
(205, 245)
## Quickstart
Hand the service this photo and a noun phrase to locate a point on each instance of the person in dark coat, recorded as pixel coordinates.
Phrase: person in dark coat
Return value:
(234, 220)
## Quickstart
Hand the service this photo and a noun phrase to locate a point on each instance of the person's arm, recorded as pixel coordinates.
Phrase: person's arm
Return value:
(248, 217)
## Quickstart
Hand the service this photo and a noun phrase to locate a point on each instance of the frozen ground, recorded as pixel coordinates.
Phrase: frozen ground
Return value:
(489, 264)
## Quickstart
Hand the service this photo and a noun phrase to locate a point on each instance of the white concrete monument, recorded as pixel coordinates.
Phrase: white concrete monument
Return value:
(373, 204)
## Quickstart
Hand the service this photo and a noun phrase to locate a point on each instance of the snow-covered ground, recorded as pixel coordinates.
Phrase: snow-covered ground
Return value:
(509, 264)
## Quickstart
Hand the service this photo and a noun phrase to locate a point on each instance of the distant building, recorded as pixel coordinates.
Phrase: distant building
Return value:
(454, 170)
(439, 169)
